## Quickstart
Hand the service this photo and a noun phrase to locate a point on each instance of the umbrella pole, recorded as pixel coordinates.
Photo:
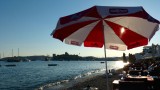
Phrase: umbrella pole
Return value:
(106, 67)
(105, 58)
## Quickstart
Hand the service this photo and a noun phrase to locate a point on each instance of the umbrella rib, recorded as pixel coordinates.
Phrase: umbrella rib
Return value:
(118, 19)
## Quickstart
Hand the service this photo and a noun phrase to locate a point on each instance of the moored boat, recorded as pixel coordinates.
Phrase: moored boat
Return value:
(52, 64)
(10, 65)
(102, 62)
(13, 59)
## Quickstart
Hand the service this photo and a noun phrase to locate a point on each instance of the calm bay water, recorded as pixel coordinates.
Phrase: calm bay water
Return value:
(34, 74)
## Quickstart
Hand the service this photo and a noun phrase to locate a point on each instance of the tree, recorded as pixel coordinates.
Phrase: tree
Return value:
(131, 58)
(124, 58)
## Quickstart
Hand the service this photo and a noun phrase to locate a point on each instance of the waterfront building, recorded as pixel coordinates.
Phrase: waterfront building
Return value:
(149, 52)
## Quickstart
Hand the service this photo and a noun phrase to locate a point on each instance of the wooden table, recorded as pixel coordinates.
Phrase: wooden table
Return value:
(115, 84)
(149, 78)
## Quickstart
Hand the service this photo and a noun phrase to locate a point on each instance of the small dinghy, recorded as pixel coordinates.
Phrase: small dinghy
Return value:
(52, 64)
(10, 65)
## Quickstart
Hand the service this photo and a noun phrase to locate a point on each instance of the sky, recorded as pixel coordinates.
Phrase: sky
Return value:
(27, 25)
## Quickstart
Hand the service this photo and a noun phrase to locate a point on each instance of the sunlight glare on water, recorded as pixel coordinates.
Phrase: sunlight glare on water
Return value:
(37, 74)
(121, 64)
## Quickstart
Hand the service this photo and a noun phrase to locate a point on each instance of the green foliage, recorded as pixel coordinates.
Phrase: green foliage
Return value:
(124, 58)
(131, 58)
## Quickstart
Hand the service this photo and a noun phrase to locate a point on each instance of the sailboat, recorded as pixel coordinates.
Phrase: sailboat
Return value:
(14, 59)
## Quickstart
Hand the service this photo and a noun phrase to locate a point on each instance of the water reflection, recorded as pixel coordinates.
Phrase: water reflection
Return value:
(120, 64)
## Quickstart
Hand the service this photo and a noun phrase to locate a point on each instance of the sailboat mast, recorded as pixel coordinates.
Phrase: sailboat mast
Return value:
(3, 54)
(18, 52)
(12, 52)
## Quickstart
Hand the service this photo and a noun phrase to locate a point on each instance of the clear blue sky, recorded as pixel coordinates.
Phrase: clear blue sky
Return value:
(27, 24)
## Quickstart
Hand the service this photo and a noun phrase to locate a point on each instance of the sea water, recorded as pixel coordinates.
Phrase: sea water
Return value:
(35, 74)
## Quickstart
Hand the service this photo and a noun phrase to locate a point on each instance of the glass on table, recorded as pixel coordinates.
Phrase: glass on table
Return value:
(148, 74)
(139, 73)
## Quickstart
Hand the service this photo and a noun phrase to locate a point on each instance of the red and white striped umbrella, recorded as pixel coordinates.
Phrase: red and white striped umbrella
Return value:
(118, 28)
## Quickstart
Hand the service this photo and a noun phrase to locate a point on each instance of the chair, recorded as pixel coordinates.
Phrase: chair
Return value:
(135, 72)
(156, 84)
(132, 85)
(144, 73)
(153, 73)
(136, 79)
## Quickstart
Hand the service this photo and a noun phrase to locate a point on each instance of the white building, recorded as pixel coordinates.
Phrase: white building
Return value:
(149, 52)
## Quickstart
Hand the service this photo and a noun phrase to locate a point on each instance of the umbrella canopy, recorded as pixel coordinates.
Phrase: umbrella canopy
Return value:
(118, 28)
